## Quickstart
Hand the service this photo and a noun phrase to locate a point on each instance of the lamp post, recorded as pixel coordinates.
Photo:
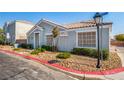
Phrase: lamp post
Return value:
(98, 21)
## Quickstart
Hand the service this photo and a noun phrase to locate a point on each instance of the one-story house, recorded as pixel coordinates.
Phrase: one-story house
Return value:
(81, 34)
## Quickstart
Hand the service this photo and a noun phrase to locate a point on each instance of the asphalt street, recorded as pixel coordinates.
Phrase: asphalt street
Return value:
(12, 68)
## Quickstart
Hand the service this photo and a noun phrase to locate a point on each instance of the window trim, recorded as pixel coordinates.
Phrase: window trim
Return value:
(85, 32)
(46, 38)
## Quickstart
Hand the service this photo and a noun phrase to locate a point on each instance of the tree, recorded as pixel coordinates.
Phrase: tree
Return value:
(2, 36)
(55, 34)
(119, 37)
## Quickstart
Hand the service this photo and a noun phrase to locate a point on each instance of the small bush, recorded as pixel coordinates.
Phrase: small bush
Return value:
(90, 52)
(16, 49)
(94, 53)
(40, 49)
(64, 55)
(50, 48)
(84, 51)
(105, 54)
(26, 46)
(46, 47)
(37, 51)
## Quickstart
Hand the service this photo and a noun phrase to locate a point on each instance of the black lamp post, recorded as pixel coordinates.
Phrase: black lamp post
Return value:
(98, 21)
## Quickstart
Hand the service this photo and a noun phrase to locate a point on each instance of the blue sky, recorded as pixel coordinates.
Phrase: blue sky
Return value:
(64, 17)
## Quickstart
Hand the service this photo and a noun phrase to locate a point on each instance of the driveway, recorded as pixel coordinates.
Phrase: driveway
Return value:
(12, 68)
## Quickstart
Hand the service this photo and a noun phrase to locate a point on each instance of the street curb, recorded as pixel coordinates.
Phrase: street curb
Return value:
(107, 72)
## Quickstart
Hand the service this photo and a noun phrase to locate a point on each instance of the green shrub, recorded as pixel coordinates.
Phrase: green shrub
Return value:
(16, 49)
(46, 47)
(26, 46)
(37, 51)
(90, 52)
(105, 54)
(94, 53)
(50, 48)
(40, 49)
(83, 51)
(63, 55)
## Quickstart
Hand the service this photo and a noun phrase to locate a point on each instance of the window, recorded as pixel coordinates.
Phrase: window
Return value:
(87, 39)
(49, 40)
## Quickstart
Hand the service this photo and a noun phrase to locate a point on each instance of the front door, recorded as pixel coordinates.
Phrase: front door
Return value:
(37, 40)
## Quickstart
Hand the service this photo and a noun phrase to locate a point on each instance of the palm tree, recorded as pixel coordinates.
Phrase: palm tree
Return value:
(55, 34)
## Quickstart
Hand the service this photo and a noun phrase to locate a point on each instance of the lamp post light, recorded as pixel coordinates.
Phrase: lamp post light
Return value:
(98, 18)
(98, 21)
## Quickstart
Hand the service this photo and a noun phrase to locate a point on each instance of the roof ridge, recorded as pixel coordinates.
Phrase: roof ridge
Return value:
(53, 22)
(88, 21)
(83, 24)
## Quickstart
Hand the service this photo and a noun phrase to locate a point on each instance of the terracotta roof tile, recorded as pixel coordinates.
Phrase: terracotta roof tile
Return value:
(83, 24)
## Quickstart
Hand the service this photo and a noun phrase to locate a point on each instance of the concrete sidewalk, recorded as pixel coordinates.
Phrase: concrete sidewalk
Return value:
(117, 76)
(120, 52)
(121, 55)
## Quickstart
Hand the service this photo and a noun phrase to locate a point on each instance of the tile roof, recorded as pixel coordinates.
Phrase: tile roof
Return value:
(83, 24)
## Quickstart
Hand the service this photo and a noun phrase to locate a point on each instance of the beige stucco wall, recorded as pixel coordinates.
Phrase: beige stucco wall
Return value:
(17, 30)
(21, 29)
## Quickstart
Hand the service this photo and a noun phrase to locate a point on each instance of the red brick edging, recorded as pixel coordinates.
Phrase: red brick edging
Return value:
(106, 72)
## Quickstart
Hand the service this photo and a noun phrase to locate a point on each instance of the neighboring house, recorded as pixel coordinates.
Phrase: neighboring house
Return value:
(74, 35)
(16, 31)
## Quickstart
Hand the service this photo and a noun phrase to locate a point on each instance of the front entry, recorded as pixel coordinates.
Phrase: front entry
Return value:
(37, 40)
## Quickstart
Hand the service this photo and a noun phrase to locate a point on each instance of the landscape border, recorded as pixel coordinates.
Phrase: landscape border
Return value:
(106, 72)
